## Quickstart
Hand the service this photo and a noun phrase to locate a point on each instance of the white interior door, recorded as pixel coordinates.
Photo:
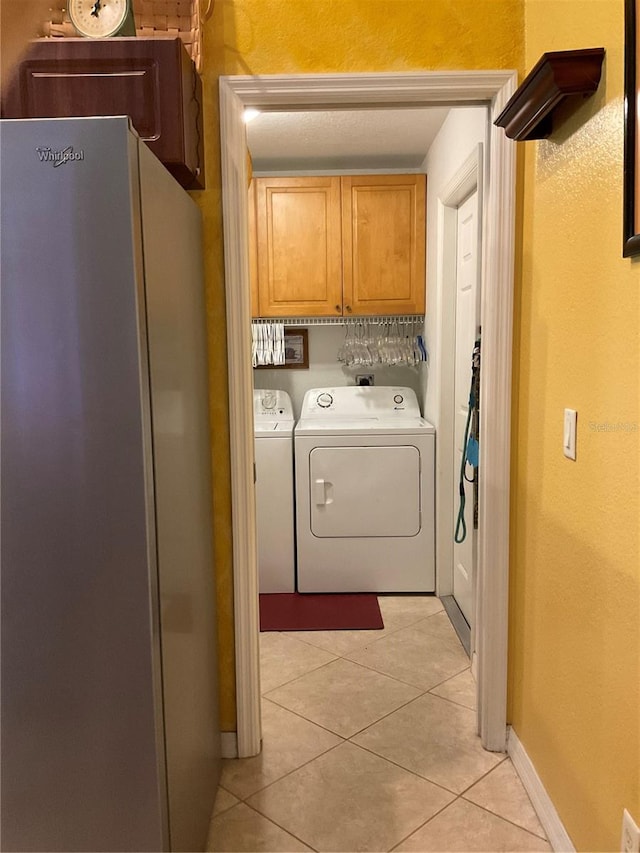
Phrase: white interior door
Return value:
(467, 316)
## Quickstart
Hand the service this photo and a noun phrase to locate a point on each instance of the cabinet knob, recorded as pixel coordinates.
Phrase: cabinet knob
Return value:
(349, 309)
(338, 308)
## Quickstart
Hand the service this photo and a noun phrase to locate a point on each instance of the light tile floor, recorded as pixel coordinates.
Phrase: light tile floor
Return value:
(369, 744)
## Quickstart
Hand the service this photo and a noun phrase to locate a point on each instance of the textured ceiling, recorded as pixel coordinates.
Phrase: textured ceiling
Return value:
(343, 139)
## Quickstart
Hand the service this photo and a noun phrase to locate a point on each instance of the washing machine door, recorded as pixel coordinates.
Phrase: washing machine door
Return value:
(365, 491)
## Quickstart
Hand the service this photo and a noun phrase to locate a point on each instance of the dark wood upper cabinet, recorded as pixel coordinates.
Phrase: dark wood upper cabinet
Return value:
(557, 75)
(154, 81)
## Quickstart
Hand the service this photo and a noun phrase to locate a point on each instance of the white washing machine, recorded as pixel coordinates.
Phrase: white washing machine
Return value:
(273, 419)
(364, 492)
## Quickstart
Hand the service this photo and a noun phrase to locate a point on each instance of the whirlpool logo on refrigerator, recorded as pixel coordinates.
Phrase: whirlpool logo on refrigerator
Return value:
(59, 158)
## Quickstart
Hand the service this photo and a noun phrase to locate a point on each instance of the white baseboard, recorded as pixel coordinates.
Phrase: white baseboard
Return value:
(229, 744)
(557, 835)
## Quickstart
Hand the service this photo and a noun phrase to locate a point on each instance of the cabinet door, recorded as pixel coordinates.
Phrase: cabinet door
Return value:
(383, 244)
(299, 253)
(151, 80)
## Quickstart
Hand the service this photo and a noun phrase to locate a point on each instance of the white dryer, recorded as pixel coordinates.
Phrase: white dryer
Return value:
(364, 492)
(273, 419)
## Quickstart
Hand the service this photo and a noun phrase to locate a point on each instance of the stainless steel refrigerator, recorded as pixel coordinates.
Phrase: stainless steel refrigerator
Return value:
(109, 714)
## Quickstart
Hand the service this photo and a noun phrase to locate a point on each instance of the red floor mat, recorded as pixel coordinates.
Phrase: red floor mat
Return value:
(293, 611)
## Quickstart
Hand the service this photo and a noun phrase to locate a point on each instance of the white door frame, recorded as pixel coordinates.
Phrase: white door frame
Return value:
(338, 91)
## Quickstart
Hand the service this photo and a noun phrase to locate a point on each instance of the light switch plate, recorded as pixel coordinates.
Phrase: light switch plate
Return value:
(569, 433)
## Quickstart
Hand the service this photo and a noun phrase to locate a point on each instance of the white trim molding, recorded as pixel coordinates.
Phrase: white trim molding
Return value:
(466, 179)
(245, 566)
(496, 313)
(541, 801)
(228, 745)
(337, 91)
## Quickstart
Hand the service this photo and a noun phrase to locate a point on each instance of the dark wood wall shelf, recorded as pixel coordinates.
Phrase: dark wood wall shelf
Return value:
(153, 81)
(556, 76)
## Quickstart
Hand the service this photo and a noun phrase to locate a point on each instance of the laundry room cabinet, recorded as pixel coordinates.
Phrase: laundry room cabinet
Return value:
(298, 239)
(337, 246)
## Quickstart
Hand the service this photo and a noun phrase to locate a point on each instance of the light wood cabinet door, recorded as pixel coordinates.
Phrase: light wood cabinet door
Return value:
(383, 244)
(299, 246)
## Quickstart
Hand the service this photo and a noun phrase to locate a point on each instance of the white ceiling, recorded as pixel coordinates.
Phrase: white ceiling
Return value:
(343, 139)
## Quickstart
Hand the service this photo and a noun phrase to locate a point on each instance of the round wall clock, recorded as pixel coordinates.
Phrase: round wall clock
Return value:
(102, 18)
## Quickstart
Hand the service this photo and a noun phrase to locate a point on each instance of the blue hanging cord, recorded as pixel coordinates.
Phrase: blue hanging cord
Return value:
(470, 448)
(461, 524)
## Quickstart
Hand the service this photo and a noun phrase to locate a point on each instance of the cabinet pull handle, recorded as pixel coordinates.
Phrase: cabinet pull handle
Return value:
(349, 308)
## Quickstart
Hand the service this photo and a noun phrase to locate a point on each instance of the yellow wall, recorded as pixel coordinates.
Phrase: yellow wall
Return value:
(311, 36)
(574, 668)
(575, 598)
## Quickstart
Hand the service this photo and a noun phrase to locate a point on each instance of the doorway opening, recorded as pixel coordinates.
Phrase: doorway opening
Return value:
(369, 91)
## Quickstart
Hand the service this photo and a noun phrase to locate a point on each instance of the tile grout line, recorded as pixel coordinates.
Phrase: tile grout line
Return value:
(446, 698)
(423, 690)
(407, 770)
(222, 811)
(481, 779)
(390, 632)
(349, 739)
(364, 749)
(399, 680)
(379, 719)
(275, 823)
(354, 663)
(364, 728)
(298, 677)
(280, 779)
(422, 825)
(306, 719)
(457, 795)
(484, 775)
(502, 817)
(385, 716)
(343, 656)
(289, 773)
(413, 621)
(483, 808)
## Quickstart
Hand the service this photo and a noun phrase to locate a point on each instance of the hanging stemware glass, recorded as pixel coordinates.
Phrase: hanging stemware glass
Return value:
(342, 352)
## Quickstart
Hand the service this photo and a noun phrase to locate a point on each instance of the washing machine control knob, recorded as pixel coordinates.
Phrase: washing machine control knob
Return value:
(324, 400)
(269, 401)
(398, 399)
